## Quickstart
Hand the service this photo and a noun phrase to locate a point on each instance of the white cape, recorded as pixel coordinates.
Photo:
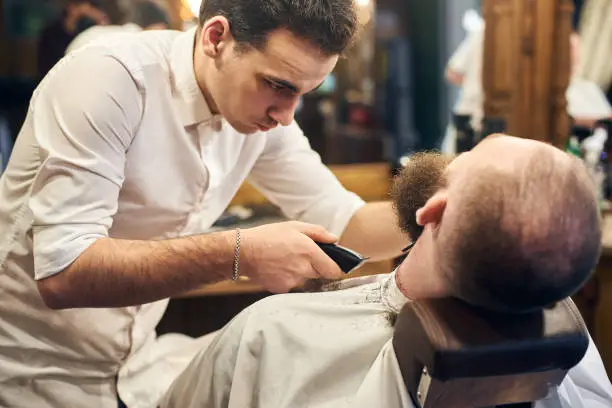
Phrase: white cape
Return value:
(330, 349)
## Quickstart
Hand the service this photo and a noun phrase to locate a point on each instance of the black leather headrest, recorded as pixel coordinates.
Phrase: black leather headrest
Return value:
(462, 349)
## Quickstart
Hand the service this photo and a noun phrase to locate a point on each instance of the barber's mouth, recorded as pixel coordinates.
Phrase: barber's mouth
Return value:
(264, 128)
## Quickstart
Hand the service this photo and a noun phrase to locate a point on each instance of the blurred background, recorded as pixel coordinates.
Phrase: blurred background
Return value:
(425, 74)
(388, 98)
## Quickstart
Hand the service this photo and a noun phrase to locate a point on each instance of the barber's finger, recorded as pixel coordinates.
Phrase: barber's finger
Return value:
(325, 266)
(317, 233)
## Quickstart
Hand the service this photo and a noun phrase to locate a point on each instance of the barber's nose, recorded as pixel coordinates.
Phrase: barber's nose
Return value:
(284, 112)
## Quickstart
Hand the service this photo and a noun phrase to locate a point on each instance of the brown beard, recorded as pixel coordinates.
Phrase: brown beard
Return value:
(422, 177)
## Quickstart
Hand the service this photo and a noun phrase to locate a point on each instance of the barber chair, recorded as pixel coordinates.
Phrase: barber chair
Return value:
(453, 355)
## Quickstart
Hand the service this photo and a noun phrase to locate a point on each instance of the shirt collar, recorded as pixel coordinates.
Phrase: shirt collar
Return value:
(192, 104)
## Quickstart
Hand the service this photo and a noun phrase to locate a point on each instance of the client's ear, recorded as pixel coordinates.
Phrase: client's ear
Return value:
(433, 209)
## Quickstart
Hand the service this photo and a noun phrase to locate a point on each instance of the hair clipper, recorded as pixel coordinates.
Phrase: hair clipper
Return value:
(346, 259)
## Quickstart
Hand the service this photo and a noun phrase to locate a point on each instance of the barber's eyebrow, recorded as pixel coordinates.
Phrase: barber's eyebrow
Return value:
(283, 83)
(286, 84)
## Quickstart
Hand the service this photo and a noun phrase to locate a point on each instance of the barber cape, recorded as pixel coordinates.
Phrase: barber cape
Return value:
(330, 349)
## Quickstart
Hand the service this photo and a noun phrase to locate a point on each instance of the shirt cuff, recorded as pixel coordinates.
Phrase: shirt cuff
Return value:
(55, 248)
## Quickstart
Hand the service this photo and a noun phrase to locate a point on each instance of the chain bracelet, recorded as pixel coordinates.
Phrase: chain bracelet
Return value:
(236, 256)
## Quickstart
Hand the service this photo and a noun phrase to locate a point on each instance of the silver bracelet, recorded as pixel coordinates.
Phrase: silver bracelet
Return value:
(236, 256)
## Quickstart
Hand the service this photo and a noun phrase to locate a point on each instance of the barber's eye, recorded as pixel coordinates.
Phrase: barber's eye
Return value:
(275, 86)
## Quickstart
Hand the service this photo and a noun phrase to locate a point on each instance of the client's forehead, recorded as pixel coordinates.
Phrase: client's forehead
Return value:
(510, 145)
(504, 145)
(500, 151)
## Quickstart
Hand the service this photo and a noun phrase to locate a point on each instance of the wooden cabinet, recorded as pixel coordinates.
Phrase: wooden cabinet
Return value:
(526, 67)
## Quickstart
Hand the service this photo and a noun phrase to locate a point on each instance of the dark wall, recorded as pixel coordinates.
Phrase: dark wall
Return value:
(424, 20)
(578, 4)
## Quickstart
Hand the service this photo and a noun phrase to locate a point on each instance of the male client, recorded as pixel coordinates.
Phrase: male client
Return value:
(512, 225)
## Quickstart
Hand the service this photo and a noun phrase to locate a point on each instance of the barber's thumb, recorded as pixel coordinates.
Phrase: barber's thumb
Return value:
(319, 234)
(325, 266)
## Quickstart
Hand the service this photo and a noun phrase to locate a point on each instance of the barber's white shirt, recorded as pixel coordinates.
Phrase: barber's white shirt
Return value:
(330, 350)
(119, 142)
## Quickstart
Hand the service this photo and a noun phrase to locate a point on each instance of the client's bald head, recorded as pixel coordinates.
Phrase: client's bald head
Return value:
(511, 225)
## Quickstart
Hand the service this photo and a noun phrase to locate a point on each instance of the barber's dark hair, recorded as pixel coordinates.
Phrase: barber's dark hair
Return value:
(147, 13)
(328, 24)
(523, 243)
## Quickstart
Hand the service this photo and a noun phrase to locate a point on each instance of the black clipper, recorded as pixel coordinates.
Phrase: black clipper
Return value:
(346, 259)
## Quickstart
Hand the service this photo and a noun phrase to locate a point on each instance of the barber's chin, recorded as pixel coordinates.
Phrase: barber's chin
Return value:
(245, 129)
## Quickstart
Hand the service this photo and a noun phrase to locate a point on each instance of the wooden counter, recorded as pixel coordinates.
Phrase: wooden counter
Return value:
(370, 181)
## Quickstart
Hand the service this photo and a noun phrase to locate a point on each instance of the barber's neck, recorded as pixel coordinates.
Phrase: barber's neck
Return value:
(419, 275)
(204, 72)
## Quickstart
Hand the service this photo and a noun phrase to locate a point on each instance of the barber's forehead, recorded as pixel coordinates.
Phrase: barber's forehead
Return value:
(296, 60)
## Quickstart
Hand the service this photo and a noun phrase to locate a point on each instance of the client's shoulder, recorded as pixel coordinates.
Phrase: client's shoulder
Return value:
(333, 300)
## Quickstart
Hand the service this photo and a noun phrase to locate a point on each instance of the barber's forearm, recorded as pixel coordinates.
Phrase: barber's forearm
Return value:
(373, 232)
(118, 273)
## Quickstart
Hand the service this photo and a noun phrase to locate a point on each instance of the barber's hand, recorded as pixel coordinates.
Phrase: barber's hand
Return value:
(283, 256)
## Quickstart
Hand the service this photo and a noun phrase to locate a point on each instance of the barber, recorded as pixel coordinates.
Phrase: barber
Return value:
(129, 153)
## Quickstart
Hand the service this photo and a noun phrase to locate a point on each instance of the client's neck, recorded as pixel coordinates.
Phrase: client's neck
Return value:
(418, 276)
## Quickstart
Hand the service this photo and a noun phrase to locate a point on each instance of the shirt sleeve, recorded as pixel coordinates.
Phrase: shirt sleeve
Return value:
(82, 117)
(291, 175)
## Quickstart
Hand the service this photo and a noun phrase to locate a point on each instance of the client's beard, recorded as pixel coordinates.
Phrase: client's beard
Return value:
(418, 182)
(422, 177)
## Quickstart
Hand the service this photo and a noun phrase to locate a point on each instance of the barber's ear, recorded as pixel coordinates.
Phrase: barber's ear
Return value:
(215, 36)
(433, 209)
